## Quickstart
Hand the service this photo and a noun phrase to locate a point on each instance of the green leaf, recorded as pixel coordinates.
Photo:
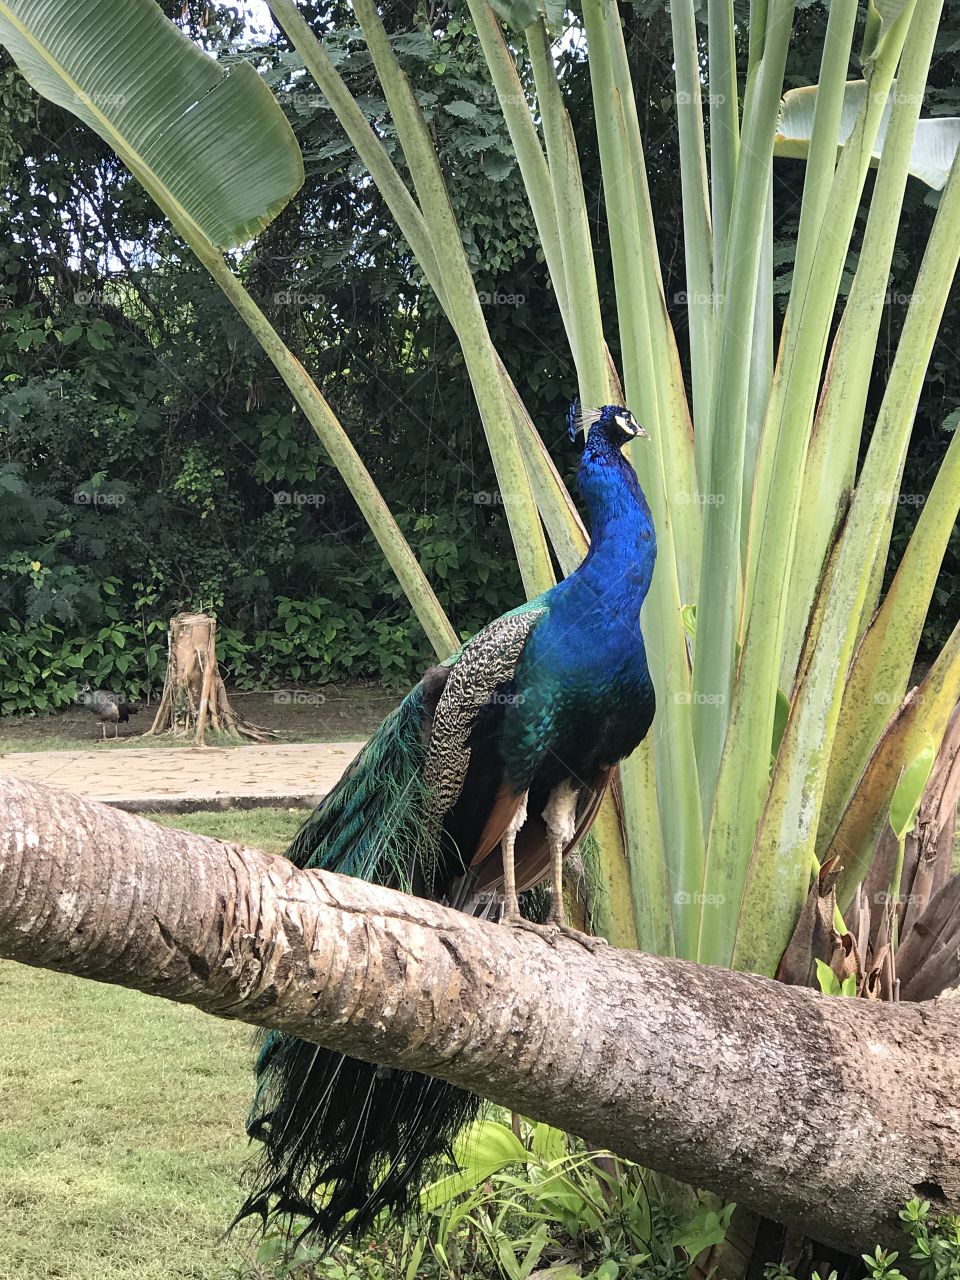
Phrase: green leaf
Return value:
(465, 110)
(706, 1229)
(518, 14)
(497, 166)
(831, 985)
(934, 143)
(482, 1150)
(827, 979)
(214, 149)
(549, 1144)
(909, 791)
(272, 1249)
(881, 15)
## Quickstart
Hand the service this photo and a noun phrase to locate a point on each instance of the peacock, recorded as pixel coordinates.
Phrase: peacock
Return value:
(109, 708)
(472, 791)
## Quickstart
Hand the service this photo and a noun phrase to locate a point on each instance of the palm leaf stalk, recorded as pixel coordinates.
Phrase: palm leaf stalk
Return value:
(719, 601)
(788, 828)
(495, 409)
(697, 224)
(644, 342)
(559, 514)
(743, 781)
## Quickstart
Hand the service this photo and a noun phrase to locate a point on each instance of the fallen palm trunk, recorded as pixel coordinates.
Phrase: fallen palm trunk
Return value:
(823, 1112)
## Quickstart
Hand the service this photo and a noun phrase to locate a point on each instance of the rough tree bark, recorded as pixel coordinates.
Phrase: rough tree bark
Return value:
(194, 696)
(822, 1112)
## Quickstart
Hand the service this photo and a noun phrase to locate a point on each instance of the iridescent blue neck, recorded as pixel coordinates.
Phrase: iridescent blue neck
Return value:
(623, 544)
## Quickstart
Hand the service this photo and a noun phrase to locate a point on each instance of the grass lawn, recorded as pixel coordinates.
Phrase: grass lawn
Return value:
(121, 1119)
(268, 829)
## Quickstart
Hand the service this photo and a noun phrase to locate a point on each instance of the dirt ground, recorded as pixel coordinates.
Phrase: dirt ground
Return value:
(326, 714)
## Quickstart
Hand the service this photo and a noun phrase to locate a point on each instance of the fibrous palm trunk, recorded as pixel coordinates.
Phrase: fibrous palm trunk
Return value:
(194, 696)
(824, 1113)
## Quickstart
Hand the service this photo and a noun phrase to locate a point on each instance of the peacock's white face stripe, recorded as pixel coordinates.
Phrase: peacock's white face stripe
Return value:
(628, 424)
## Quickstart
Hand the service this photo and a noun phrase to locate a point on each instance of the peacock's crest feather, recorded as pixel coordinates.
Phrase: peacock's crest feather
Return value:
(580, 418)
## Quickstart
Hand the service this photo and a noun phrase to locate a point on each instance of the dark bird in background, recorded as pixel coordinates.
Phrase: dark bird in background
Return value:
(472, 791)
(109, 708)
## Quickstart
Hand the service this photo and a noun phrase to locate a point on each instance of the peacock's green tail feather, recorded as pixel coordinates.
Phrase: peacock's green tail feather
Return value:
(371, 825)
(557, 690)
(342, 1139)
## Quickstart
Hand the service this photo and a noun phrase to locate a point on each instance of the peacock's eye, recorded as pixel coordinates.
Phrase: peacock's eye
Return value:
(625, 421)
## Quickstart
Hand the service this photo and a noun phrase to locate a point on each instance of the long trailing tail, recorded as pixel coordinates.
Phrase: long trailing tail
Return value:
(345, 1140)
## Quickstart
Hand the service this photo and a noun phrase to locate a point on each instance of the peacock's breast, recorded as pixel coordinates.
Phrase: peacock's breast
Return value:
(571, 719)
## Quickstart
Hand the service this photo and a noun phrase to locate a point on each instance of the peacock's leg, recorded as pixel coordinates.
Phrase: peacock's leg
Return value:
(511, 906)
(560, 815)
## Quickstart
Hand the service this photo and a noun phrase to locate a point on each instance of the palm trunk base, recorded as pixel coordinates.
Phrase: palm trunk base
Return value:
(194, 700)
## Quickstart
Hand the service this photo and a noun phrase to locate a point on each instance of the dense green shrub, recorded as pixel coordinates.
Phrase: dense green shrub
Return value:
(145, 440)
(934, 1250)
(538, 1204)
(41, 666)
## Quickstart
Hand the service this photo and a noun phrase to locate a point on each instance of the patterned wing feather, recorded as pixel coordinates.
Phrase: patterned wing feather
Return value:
(484, 665)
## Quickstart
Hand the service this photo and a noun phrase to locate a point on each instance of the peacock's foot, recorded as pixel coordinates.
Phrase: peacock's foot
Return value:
(554, 929)
(588, 940)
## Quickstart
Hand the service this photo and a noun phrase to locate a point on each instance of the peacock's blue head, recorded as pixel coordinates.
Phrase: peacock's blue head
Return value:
(605, 478)
(612, 423)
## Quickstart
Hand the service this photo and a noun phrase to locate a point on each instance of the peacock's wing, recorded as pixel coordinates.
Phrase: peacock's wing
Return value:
(463, 768)
(388, 819)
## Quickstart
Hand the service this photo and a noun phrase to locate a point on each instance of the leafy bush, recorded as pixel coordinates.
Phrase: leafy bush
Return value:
(935, 1249)
(316, 641)
(310, 641)
(936, 1243)
(541, 1206)
(41, 667)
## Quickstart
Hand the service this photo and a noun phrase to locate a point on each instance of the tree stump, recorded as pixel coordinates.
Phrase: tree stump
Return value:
(194, 698)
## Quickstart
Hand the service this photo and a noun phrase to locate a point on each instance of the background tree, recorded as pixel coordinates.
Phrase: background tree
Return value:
(125, 372)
